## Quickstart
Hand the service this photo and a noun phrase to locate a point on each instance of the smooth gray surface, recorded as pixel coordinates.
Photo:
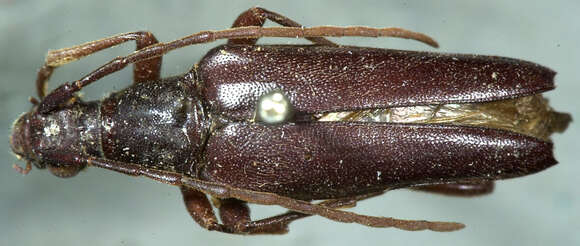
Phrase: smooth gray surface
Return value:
(102, 208)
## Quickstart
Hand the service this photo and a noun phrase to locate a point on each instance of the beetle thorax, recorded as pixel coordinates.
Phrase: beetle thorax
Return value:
(159, 125)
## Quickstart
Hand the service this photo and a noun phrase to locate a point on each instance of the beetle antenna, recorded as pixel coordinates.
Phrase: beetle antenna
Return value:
(21, 170)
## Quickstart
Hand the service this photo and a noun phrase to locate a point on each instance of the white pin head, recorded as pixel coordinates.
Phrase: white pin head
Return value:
(274, 108)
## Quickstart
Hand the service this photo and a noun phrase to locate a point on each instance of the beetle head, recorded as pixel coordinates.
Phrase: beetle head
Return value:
(34, 137)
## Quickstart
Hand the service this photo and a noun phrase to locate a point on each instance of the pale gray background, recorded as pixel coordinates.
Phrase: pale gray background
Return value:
(103, 208)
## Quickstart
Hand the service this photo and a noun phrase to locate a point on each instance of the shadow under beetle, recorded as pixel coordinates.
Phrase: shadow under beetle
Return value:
(288, 124)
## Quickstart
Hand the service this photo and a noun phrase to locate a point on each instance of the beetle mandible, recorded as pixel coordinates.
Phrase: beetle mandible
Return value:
(288, 124)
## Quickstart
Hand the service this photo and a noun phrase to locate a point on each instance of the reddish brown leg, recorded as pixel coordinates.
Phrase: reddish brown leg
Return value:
(258, 16)
(66, 91)
(233, 211)
(146, 70)
(466, 189)
(279, 224)
(200, 208)
(223, 192)
(235, 214)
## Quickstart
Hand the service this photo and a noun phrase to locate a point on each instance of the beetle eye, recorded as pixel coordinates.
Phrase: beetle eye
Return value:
(274, 108)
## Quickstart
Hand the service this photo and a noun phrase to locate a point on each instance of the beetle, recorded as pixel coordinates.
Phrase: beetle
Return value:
(289, 124)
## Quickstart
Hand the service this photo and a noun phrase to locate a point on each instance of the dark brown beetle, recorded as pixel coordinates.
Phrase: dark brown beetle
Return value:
(288, 124)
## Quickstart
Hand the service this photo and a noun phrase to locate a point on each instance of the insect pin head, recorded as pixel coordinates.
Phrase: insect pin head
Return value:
(274, 108)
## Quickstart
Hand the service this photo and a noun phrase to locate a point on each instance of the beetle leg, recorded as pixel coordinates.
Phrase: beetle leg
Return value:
(146, 70)
(257, 17)
(278, 224)
(235, 215)
(467, 188)
(200, 209)
(232, 211)
(224, 191)
(66, 91)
